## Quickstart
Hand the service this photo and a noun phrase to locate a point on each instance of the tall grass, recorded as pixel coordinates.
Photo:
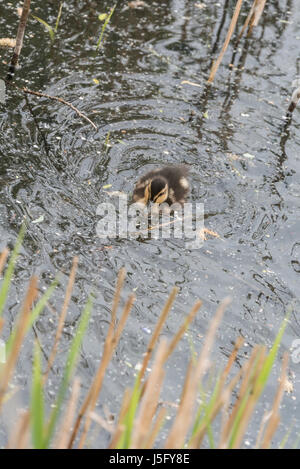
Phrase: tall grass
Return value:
(64, 424)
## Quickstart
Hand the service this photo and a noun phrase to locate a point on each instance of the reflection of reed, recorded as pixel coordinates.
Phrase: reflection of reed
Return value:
(231, 29)
(252, 20)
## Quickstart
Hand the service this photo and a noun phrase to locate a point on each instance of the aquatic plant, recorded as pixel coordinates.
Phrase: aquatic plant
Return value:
(106, 17)
(52, 31)
(232, 398)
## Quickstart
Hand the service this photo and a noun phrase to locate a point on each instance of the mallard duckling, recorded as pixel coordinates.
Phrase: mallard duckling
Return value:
(168, 184)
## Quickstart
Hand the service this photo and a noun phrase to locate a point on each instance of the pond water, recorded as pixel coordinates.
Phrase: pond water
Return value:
(140, 91)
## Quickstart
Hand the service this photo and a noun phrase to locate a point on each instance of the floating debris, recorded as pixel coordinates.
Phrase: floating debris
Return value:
(205, 231)
(187, 82)
(137, 4)
(38, 220)
(116, 194)
(249, 156)
(7, 42)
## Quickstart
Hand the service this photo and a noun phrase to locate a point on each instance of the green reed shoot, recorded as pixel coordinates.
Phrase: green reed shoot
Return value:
(52, 31)
(107, 20)
(37, 401)
(125, 440)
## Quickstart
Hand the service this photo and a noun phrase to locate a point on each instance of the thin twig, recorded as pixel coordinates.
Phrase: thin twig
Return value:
(53, 98)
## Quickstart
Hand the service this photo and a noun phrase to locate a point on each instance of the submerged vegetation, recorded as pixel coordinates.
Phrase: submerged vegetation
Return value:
(66, 422)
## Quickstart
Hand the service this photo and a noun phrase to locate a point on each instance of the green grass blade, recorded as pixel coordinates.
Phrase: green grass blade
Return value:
(269, 362)
(238, 418)
(47, 26)
(58, 17)
(104, 26)
(68, 371)
(296, 443)
(210, 437)
(125, 439)
(286, 436)
(261, 380)
(34, 314)
(10, 269)
(37, 401)
(204, 413)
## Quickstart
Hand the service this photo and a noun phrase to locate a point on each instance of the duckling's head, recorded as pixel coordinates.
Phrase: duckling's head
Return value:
(157, 190)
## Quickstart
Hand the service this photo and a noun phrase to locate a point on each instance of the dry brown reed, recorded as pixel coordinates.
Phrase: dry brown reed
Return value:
(96, 387)
(195, 373)
(62, 317)
(120, 425)
(189, 319)
(147, 418)
(150, 399)
(20, 435)
(66, 426)
(252, 20)
(20, 333)
(222, 398)
(111, 342)
(157, 331)
(20, 36)
(274, 413)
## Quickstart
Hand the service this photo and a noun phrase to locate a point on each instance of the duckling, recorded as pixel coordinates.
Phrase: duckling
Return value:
(168, 184)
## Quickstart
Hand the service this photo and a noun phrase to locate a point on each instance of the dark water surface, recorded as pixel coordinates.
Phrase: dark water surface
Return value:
(244, 167)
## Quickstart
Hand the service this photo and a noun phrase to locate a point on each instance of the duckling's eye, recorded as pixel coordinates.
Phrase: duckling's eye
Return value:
(161, 196)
